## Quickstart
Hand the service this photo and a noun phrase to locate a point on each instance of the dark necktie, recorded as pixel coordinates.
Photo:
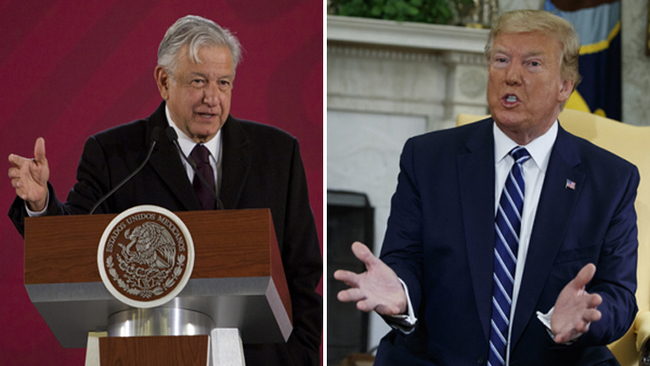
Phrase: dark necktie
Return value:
(506, 245)
(201, 157)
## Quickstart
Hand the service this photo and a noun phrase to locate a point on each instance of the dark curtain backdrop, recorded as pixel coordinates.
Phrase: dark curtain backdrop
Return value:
(71, 68)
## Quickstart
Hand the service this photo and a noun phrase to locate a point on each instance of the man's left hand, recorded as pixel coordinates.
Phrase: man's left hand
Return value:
(575, 308)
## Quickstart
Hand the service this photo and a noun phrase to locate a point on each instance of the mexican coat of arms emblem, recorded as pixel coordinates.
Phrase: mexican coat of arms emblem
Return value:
(145, 256)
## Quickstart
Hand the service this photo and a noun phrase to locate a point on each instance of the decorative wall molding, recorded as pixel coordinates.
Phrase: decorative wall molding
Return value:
(382, 54)
(405, 34)
(401, 68)
(465, 58)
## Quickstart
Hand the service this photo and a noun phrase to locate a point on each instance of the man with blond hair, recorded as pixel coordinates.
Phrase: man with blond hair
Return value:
(510, 241)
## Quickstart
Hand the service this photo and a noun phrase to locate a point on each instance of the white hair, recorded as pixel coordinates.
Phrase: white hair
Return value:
(195, 32)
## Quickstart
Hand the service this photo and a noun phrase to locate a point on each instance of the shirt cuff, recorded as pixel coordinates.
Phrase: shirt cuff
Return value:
(31, 213)
(403, 322)
(546, 320)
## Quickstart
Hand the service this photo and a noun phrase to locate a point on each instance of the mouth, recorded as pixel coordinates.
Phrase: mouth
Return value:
(510, 100)
(206, 115)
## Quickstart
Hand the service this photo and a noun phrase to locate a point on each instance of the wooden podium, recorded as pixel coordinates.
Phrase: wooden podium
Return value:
(238, 282)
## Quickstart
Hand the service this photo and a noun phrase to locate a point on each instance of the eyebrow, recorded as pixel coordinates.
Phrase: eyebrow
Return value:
(197, 73)
(533, 53)
(499, 50)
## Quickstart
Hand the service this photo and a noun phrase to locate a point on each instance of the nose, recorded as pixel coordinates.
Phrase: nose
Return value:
(211, 95)
(513, 74)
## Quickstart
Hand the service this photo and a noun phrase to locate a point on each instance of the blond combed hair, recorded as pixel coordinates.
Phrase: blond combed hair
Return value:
(525, 21)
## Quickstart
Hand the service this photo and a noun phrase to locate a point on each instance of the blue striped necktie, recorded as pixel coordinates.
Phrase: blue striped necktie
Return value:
(506, 246)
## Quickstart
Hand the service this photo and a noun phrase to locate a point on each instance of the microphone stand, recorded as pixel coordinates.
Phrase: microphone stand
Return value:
(155, 135)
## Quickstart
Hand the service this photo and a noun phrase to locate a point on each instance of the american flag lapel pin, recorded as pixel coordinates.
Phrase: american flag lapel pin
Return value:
(570, 184)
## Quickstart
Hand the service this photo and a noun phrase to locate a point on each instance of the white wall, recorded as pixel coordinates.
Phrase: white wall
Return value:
(363, 151)
(379, 96)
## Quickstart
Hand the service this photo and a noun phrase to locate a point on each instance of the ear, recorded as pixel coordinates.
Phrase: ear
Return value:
(162, 80)
(566, 88)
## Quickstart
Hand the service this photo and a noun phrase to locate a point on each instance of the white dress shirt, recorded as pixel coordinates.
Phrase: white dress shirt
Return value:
(187, 145)
(534, 173)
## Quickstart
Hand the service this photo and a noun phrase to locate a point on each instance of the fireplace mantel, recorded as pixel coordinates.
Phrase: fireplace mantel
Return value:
(402, 68)
(405, 34)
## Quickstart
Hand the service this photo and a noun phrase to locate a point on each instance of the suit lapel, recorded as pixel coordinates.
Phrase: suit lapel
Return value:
(476, 177)
(554, 211)
(167, 163)
(236, 162)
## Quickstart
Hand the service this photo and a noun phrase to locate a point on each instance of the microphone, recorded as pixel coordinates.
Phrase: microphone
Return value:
(173, 137)
(155, 136)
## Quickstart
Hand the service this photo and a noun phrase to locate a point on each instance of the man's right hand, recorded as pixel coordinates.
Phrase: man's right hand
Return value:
(29, 177)
(376, 289)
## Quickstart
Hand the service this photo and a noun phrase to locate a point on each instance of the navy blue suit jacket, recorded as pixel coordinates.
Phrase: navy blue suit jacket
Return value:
(440, 241)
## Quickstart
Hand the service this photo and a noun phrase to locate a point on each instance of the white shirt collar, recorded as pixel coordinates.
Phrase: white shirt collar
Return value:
(187, 144)
(539, 149)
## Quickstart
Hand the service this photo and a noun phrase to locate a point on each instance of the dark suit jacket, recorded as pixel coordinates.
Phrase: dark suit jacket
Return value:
(440, 241)
(261, 168)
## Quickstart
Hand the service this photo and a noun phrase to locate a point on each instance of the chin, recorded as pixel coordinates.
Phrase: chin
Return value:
(507, 118)
(205, 129)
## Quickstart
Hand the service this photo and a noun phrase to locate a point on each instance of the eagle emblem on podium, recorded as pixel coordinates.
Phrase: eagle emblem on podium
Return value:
(143, 256)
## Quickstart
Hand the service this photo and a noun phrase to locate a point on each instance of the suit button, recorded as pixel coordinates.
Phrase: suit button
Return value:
(480, 360)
